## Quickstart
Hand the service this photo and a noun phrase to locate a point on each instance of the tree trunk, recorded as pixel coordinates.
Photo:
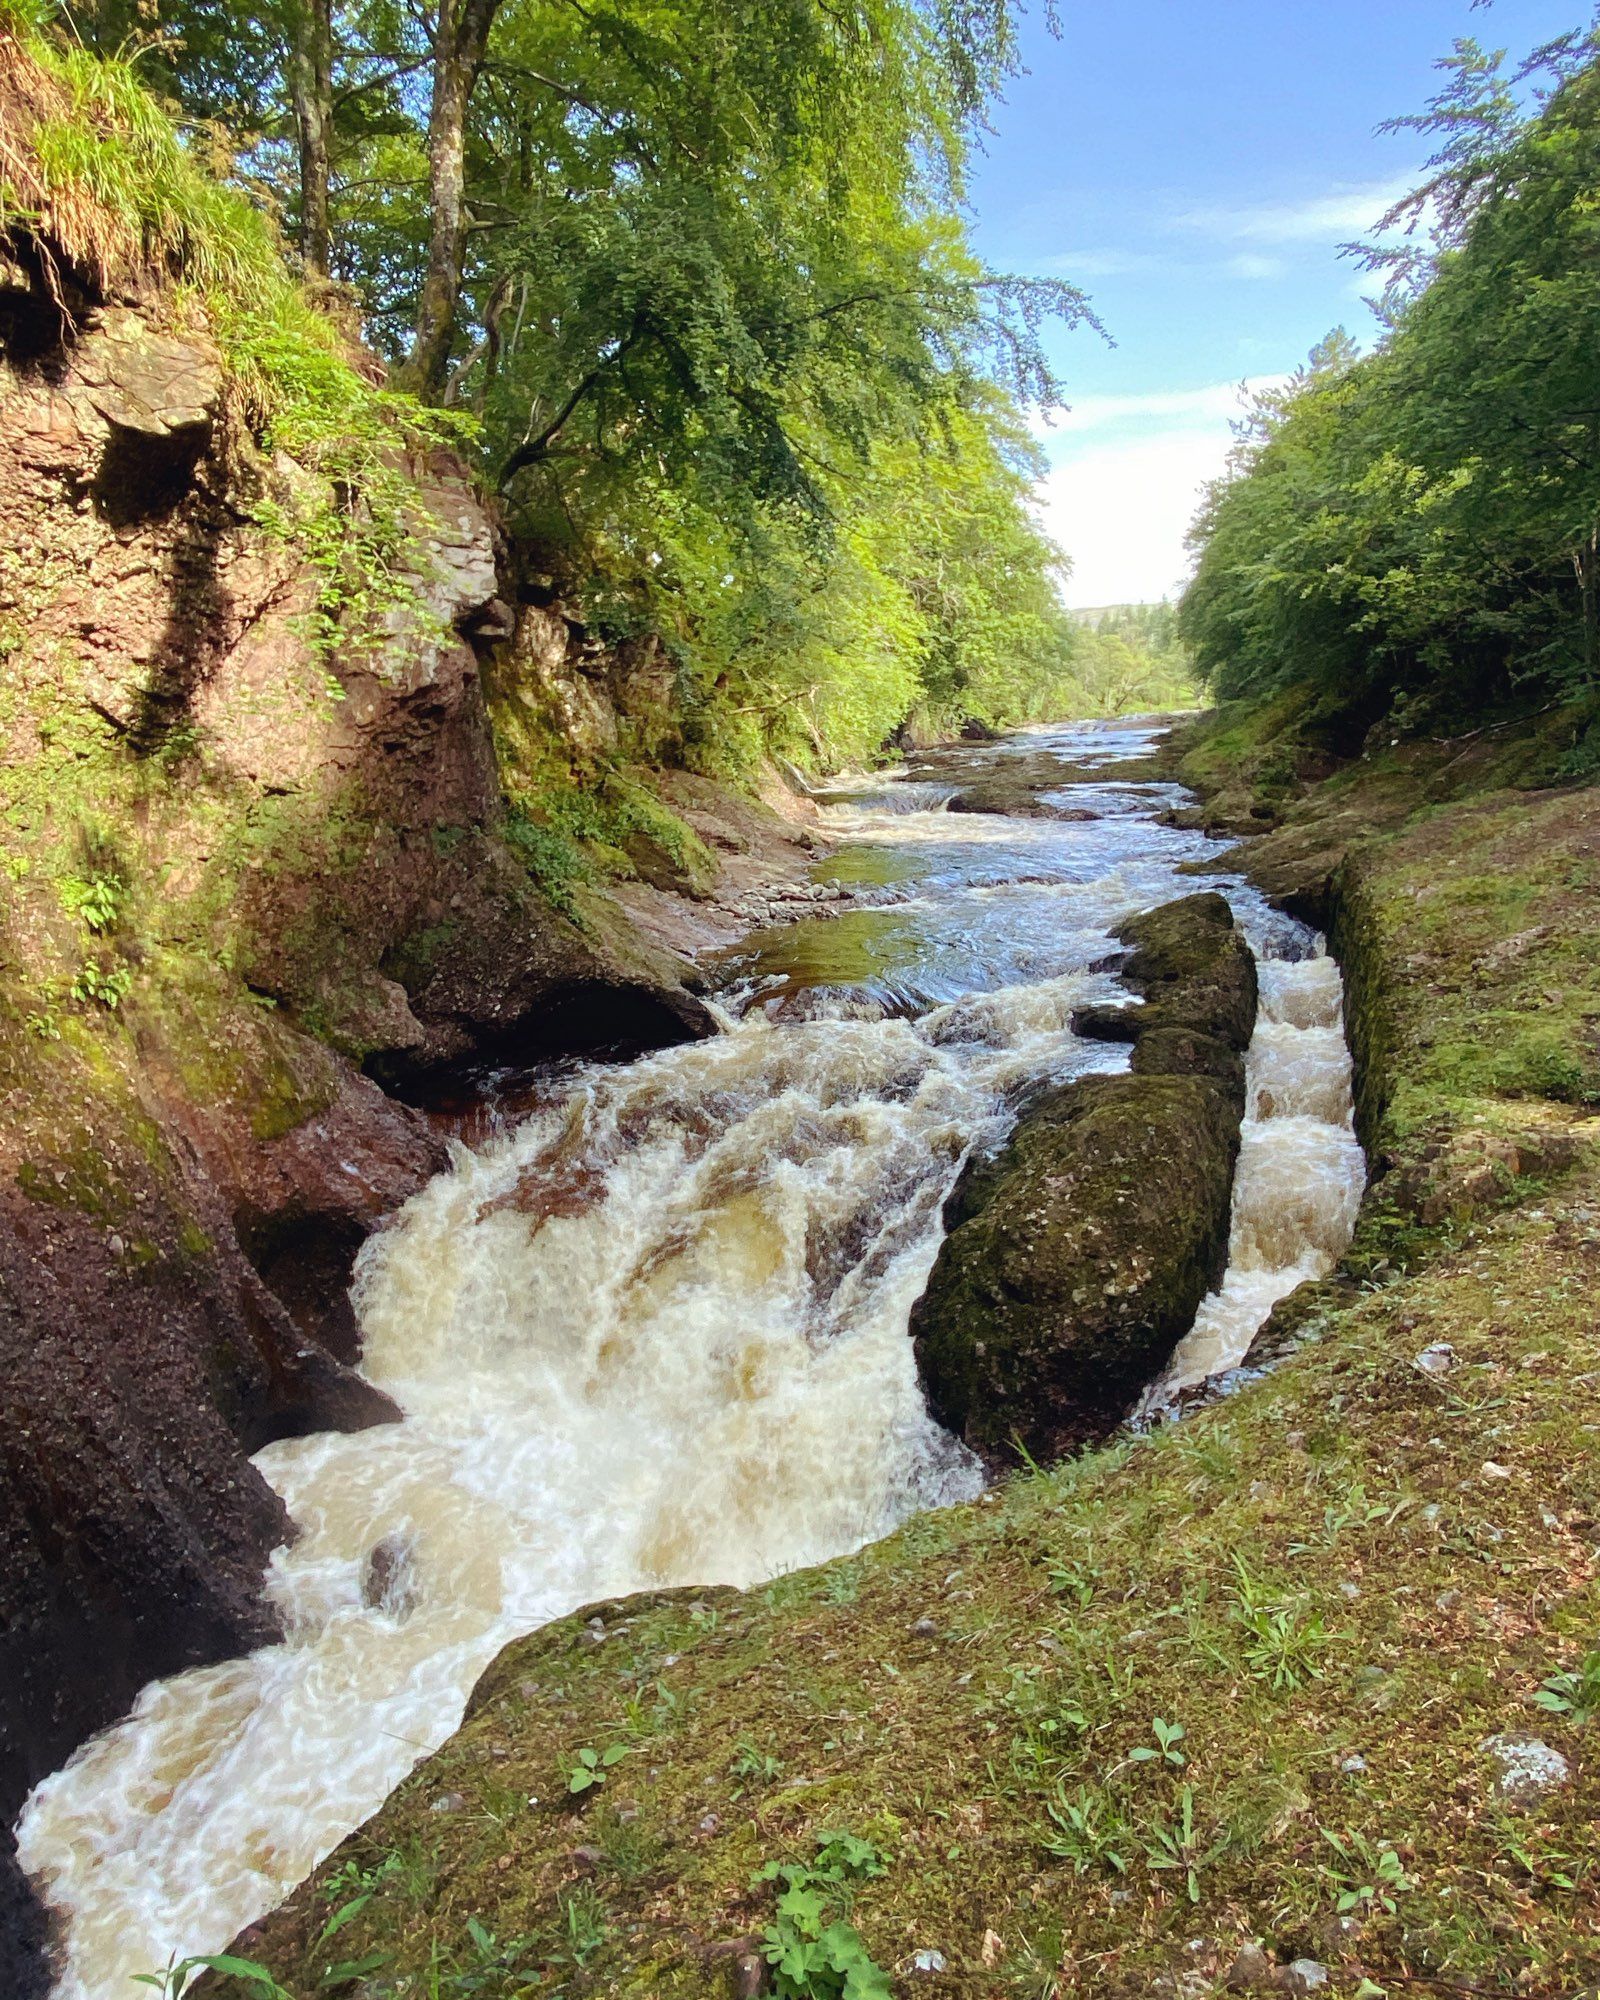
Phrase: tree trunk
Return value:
(1587, 564)
(311, 86)
(459, 42)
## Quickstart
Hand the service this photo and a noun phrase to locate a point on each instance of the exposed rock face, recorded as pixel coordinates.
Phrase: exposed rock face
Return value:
(238, 873)
(1077, 1256)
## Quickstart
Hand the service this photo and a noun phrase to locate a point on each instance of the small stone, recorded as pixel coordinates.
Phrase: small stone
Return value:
(117, 1246)
(1251, 1970)
(1350, 1590)
(1528, 1770)
(710, 1824)
(1437, 1359)
(751, 1975)
(1491, 1470)
(1447, 1600)
(924, 1629)
(1353, 1765)
(448, 1802)
(1305, 1975)
(927, 1961)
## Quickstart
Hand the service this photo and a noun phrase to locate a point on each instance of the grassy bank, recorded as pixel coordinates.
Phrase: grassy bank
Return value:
(1225, 1687)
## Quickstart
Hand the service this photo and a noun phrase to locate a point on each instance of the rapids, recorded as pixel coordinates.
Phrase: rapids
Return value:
(654, 1332)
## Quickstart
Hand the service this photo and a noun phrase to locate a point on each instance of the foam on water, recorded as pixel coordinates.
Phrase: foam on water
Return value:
(657, 1334)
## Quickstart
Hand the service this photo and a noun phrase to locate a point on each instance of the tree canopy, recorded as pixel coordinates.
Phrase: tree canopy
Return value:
(1419, 528)
(696, 270)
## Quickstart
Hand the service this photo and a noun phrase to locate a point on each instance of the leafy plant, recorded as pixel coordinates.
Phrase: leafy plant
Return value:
(1370, 1874)
(1175, 1844)
(1168, 1736)
(590, 1767)
(97, 900)
(1089, 1831)
(1574, 1693)
(584, 1925)
(1281, 1640)
(103, 988)
(750, 1761)
(814, 1951)
(170, 1983)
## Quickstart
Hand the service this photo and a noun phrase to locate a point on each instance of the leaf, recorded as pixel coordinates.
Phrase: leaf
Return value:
(343, 1915)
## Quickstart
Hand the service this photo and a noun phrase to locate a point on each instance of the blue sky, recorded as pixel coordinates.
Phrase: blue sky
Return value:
(1194, 167)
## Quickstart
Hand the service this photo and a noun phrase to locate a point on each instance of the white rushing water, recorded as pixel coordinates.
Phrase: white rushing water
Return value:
(658, 1334)
(1300, 1175)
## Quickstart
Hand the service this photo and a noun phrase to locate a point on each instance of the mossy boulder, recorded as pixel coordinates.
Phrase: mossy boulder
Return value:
(1077, 1257)
(1076, 1260)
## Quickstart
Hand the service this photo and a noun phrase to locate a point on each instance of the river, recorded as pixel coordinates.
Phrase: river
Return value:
(654, 1330)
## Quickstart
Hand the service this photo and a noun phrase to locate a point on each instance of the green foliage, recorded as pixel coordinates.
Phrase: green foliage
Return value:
(1280, 1639)
(1369, 1873)
(256, 1979)
(815, 1953)
(1417, 531)
(590, 1768)
(722, 341)
(1131, 658)
(96, 901)
(1574, 1692)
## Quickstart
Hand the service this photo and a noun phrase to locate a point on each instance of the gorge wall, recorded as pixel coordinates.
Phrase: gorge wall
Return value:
(242, 877)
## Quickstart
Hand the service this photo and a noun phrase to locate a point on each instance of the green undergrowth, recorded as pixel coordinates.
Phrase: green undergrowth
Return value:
(569, 833)
(1231, 1683)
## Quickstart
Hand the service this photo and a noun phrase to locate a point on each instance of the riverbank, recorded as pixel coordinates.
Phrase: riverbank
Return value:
(1342, 1583)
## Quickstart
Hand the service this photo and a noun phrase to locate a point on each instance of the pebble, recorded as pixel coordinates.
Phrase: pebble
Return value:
(1492, 1471)
(1354, 1764)
(924, 1629)
(1527, 1768)
(710, 1824)
(927, 1961)
(448, 1802)
(1437, 1359)
(1305, 1975)
(1447, 1600)
(1251, 1970)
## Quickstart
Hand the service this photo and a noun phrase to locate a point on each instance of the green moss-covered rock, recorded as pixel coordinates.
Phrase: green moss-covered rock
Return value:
(1078, 1256)
(1076, 1260)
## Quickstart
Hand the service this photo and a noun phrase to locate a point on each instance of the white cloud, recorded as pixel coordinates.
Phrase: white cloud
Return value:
(1212, 407)
(1126, 483)
(1347, 211)
(1076, 264)
(1121, 512)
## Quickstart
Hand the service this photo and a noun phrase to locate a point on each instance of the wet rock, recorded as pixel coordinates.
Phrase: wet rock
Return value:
(388, 1582)
(751, 1976)
(1076, 1258)
(1075, 1261)
(1527, 1769)
(1192, 969)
